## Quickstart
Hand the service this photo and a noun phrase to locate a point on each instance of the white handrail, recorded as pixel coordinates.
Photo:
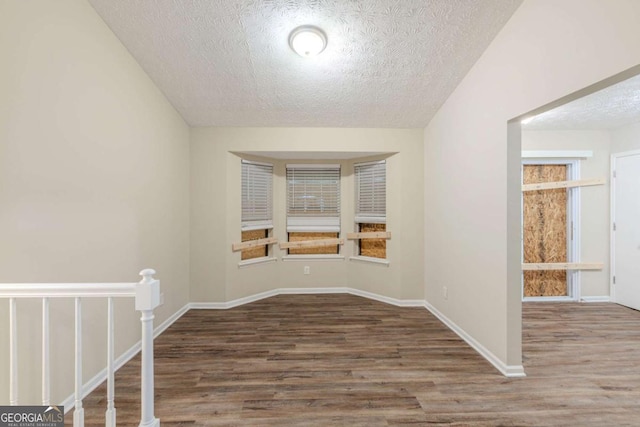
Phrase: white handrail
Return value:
(147, 298)
(67, 290)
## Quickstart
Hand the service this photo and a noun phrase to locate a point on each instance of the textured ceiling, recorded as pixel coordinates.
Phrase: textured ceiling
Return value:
(388, 63)
(609, 108)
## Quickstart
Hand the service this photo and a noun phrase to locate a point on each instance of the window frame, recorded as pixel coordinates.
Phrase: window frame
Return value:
(264, 210)
(374, 215)
(314, 222)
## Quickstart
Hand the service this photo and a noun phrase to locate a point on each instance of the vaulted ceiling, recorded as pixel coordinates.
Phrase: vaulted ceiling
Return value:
(388, 63)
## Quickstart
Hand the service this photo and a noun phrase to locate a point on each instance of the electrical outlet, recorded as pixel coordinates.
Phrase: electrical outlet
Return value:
(307, 269)
(445, 292)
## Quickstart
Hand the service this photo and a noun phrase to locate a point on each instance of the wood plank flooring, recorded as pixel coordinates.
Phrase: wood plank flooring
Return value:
(342, 360)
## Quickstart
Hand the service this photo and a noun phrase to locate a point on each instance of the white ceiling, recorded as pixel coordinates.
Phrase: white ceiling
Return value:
(388, 63)
(607, 109)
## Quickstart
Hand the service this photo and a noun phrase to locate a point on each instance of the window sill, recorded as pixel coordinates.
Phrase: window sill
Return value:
(370, 260)
(254, 261)
(313, 258)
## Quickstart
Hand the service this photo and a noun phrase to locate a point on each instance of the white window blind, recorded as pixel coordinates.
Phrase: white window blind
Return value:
(371, 192)
(257, 195)
(313, 198)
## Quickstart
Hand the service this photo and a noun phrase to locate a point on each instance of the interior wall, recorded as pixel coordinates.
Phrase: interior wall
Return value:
(94, 183)
(547, 50)
(625, 138)
(215, 217)
(594, 201)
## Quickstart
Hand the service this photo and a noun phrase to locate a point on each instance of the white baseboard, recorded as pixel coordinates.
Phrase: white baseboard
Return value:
(511, 371)
(233, 303)
(506, 370)
(388, 300)
(301, 291)
(603, 298)
(100, 377)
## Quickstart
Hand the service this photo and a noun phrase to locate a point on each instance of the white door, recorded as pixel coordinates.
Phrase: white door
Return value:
(626, 228)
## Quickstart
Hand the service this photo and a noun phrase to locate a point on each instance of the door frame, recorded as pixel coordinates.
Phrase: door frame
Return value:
(612, 216)
(573, 228)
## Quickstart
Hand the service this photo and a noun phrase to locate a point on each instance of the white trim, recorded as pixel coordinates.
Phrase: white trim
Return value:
(375, 162)
(100, 377)
(233, 303)
(307, 291)
(557, 154)
(370, 219)
(256, 225)
(304, 291)
(209, 305)
(511, 371)
(313, 166)
(170, 320)
(388, 300)
(68, 290)
(251, 162)
(254, 261)
(612, 219)
(313, 224)
(319, 257)
(602, 298)
(369, 259)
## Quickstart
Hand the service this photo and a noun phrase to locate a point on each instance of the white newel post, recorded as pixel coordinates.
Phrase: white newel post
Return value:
(147, 299)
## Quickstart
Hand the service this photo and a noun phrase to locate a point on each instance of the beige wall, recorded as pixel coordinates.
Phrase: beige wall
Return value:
(215, 214)
(94, 177)
(594, 201)
(549, 49)
(625, 138)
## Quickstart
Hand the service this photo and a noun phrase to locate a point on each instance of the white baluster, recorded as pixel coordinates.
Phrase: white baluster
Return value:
(110, 415)
(46, 376)
(13, 353)
(78, 413)
(147, 298)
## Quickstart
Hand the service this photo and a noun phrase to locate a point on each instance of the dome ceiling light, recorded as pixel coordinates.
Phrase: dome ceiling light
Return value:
(307, 41)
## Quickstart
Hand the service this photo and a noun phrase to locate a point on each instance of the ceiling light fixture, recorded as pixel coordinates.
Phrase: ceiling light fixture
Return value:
(307, 41)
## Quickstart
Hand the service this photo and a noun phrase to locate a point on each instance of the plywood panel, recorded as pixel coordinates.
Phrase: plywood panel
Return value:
(322, 250)
(376, 248)
(258, 251)
(545, 230)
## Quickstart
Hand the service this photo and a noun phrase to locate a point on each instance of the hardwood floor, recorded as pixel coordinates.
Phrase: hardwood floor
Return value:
(342, 360)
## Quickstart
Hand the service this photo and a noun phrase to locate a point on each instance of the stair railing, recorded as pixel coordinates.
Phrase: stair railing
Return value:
(147, 298)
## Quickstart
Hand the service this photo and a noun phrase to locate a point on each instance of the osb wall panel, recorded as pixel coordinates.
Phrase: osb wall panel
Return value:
(376, 248)
(323, 250)
(258, 251)
(545, 230)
